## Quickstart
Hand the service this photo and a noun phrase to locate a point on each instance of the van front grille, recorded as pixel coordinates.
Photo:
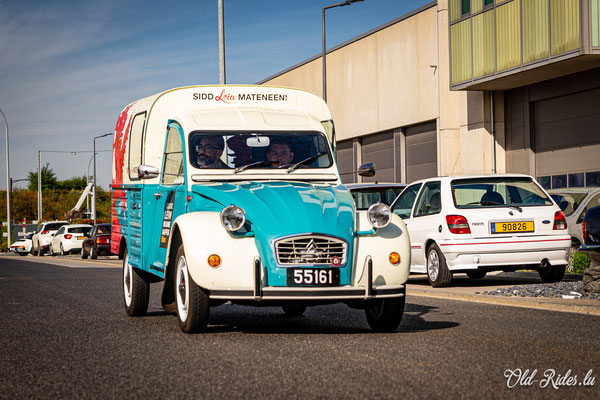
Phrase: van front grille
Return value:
(311, 250)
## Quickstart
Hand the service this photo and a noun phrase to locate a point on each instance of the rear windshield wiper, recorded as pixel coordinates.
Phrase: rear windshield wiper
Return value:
(493, 203)
(251, 165)
(311, 158)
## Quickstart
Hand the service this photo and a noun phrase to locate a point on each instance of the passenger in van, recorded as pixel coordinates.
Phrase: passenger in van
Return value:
(279, 153)
(210, 149)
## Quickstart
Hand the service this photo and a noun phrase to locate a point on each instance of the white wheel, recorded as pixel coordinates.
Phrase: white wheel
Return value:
(192, 302)
(136, 290)
(182, 289)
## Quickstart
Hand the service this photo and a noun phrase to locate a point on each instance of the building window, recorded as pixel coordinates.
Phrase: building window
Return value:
(465, 7)
(559, 181)
(592, 178)
(576, 180)
(487, 2)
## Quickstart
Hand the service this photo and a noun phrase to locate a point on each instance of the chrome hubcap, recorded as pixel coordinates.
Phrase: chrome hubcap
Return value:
(127, 281)
(182, 289)
(433, 265)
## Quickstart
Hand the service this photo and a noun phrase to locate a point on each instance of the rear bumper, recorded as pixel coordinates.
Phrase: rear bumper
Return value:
(505, 252)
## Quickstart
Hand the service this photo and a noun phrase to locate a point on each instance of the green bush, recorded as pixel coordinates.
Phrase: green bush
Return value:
(580, 262)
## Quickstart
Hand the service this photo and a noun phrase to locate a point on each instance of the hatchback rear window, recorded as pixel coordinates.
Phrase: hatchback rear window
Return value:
(498, 192)
(80, 229)
(54, 227)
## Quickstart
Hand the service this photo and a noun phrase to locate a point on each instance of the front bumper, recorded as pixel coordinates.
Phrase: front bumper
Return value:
(337, 293)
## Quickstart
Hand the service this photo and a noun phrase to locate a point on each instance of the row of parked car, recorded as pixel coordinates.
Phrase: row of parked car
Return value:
(477, 224)
(61, 237)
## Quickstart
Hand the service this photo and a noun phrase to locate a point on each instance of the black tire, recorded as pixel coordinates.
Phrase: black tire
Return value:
(51, 250)
(84, 253)
(193, 307)
(136, 290)
(385, 315)
(552, 273)
(476, 274)
(438, 273)
(93, 253)
(22, 254)
(293, 310)
(62, 250)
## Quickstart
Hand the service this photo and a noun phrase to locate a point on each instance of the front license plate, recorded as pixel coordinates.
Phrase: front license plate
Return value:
(508, 227)
(313, 277)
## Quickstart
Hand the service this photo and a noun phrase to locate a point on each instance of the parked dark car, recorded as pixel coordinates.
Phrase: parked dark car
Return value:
(367, 194)
(98, 243)
(590, 229)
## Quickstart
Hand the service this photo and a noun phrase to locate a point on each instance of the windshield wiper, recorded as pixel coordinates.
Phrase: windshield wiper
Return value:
(311, 158)
(493, 203)
(254, 164)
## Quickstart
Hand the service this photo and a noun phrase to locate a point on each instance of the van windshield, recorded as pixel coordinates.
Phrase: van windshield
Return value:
(498, 192)
(245, 150)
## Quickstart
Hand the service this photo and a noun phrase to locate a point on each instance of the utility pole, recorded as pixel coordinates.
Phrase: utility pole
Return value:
(222, 80)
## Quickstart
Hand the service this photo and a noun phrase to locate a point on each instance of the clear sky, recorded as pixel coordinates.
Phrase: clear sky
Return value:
(68, 67)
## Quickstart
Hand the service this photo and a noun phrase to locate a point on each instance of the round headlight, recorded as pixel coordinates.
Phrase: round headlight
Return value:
(233, 217)
(379, 215)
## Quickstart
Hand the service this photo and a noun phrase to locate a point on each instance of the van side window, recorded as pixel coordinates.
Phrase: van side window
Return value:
(173, 158)
(429, 201)
(135, 145)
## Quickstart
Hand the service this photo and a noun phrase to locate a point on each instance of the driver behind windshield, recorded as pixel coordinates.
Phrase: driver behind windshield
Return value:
(209, 151)
(280, 154)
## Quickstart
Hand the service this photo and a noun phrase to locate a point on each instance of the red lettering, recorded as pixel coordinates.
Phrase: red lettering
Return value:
(225, 97)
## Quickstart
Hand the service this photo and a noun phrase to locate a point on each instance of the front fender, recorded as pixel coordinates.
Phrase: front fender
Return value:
(202, 235)
(378, 246)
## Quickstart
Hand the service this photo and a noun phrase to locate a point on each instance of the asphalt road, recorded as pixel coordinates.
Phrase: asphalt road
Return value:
(64, 334)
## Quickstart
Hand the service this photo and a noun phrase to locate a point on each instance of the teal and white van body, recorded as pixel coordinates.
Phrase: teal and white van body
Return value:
(232, 193)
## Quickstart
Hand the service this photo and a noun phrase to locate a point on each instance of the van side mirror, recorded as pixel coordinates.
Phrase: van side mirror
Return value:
(147, 172)
(367, 169)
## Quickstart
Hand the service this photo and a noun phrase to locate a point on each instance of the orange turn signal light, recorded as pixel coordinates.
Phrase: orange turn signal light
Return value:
(394, 258)
(214, 260)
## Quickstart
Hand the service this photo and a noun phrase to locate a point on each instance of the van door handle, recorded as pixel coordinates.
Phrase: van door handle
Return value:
(157, 195)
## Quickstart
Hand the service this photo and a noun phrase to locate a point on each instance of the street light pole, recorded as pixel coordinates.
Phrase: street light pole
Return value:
(94, 196)
(8, 216)
(324, 62)
(222, 78)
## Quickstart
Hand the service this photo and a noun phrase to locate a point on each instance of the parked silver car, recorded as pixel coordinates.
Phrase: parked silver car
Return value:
(574, 202)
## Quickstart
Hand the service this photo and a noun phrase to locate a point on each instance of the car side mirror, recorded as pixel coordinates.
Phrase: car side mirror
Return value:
(367, 169)
(147, 172)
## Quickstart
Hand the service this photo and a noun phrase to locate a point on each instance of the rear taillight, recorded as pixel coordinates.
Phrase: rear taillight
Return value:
(68, 236)
(45, 231)
(583, 231)
(102, 241)
(560, 221)
(457, 224)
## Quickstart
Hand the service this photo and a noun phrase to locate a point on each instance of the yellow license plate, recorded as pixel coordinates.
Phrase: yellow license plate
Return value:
(508, 227)
(81, 237)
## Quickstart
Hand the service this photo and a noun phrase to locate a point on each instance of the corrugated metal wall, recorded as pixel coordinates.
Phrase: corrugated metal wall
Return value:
(484, 58)
(461, 51)
(595, 11)
(564, 25)
(508, 35)
(535, 30)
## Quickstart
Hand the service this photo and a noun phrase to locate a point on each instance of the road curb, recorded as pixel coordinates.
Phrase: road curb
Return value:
(579, 306)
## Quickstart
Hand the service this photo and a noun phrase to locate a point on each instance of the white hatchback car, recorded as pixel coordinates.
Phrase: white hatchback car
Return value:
(476, 224)
(69, 239)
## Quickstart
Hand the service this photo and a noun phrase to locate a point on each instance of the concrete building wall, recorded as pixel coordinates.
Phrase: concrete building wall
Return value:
(398, 76)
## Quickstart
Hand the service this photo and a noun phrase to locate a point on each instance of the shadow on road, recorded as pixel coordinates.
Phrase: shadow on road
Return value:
(332, 319)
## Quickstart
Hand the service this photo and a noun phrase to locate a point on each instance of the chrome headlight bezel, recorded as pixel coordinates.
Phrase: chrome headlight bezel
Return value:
(232, 218)
(379, 215)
